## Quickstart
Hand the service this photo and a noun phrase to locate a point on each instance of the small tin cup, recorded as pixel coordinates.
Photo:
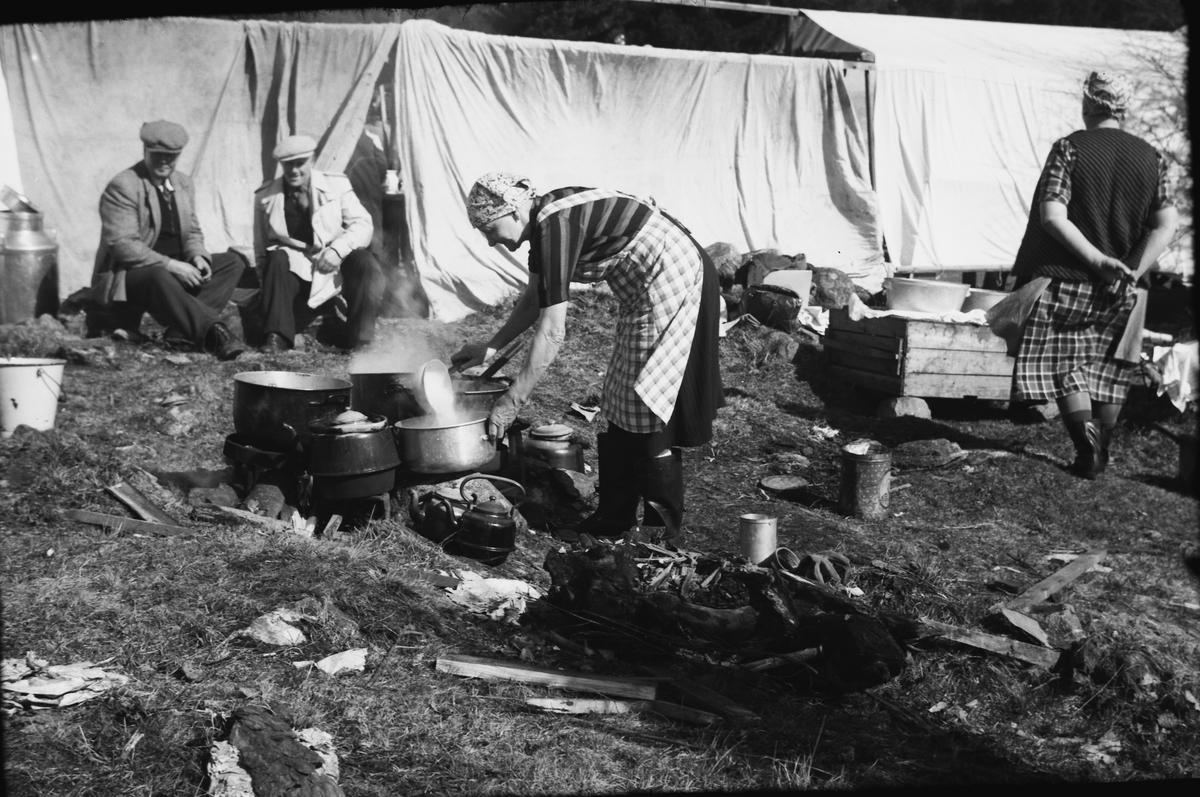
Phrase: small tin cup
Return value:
(756, 537)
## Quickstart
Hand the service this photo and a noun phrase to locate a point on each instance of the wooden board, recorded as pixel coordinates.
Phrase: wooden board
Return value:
(1043, 657)
(1059, 579)
(146, 509)
(118, 523)
(860, 363)
(476, 667)
(884, 384)
(922, 334)
(860, 340)
(957, 386)
(862, 349)
(699, 696)
(969, 363)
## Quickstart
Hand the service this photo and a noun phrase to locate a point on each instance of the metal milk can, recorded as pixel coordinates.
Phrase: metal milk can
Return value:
(28, 267)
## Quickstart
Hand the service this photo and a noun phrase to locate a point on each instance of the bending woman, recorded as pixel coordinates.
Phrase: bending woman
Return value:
(1101, 215)
(663, 387)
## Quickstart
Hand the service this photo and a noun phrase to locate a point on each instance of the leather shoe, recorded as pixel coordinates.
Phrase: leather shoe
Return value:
(275, 344)
(223, 344)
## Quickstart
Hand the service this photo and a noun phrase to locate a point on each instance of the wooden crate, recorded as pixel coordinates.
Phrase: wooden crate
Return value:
(930, 359)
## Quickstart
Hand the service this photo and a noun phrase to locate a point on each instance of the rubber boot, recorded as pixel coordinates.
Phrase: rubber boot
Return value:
(660, 481)
(1089, 456)
(1106, 433)
(616, 509)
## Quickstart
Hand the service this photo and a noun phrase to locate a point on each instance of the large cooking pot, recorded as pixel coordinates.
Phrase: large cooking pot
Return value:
(429, 444)
(272, 409)
(391, 394)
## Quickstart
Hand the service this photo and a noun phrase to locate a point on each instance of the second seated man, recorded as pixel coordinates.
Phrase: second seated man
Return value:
(311, 235)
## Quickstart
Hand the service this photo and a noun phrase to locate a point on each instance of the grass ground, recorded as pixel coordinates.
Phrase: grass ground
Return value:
(954, 717)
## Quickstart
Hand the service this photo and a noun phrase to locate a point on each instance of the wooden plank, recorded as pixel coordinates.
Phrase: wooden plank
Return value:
(1032, 654)
(884, 384)
(564, 705)
(142, 506)
(859, 339)
(118, 523)
(477, 667)
(663, 709)
(874, 366)
(696, 695)
(957, 386)
(1057, 580)
(888, 326)
(959, 337)
(864, 350)
(969, 363)
(771, 662)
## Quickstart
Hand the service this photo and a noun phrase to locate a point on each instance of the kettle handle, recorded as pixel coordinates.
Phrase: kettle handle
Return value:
(463, 484)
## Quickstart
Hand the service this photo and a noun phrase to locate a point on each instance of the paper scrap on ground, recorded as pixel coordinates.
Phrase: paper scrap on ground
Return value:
(32, 683)
(348, 660)
(274, 628)
(824, 431)
(588, 413)
(498, 598)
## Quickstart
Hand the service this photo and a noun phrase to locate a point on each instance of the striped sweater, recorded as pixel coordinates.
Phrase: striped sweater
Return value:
(1111, 182)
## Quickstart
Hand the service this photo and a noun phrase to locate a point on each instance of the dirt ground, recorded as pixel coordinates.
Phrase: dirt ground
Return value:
(1003, 507)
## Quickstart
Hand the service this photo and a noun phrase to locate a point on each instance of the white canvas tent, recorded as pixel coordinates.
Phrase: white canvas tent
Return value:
(758, 151)
(965, 113)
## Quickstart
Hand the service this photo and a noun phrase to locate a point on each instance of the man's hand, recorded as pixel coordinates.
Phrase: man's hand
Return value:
(327, 261)
(203, 267)
(186, 273)
(470, 355)
(1109, 269)
(502, 416)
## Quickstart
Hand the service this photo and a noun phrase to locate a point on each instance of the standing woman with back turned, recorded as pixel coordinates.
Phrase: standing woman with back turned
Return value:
(1101, 215)
(663, 388)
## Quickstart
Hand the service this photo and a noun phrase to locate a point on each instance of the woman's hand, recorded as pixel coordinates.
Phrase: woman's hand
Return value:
(470, 355)
(502, 416)
(1110, 270)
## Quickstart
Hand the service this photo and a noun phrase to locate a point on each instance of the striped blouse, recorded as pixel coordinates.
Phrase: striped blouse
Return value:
(564, 244)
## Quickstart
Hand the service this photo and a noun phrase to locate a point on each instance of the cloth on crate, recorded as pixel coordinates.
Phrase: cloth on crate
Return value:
(1180, 368)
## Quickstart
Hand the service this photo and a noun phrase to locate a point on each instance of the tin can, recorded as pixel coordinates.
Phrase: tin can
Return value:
(866, 479)
(756, 537)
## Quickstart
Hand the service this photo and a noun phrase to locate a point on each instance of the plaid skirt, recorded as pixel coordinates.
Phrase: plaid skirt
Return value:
(1069, 344)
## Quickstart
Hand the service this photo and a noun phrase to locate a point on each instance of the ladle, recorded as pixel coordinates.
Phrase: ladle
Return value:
(434, 388)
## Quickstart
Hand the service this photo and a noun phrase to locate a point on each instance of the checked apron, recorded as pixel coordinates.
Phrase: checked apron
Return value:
(657, 280)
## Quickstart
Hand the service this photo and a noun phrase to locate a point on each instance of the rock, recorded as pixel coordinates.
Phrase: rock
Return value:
(727, 258)
(903, 407)
(265, 499)
(278, 762)
(577, 486)
(221, 495)
(1047, 411)
(779, 345)
(926, 453)
(189, 672)
(1063, 627)
(761, 264)
(831, 288)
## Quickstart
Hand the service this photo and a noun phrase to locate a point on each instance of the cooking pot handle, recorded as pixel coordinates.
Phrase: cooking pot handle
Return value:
(462, 487)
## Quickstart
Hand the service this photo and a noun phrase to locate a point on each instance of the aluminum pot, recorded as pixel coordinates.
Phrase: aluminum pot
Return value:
(979, 299)
(392, 394)
(925, 296)
(429, 444)
(272, 409)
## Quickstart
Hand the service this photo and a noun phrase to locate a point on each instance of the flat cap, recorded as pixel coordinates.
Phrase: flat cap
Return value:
(164, 136)
(294, 147)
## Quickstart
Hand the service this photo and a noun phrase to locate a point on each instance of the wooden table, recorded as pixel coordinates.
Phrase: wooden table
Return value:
(929, 359)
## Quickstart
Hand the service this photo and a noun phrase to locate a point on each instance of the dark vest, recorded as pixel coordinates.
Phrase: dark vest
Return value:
(1114, 181)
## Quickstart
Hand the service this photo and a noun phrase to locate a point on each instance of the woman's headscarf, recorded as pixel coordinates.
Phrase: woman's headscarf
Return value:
(497, 194)
(1107, 93)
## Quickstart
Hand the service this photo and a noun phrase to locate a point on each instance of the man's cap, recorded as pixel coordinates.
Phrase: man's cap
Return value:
(294, 147)
(164, 136)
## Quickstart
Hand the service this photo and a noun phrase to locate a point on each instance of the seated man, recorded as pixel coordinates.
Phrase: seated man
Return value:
(152, 257)
(310, 234)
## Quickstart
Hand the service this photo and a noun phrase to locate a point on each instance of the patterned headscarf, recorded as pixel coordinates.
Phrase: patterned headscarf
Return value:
(497, 194)
(1107, 93)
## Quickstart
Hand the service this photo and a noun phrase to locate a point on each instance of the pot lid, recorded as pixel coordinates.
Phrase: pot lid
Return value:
(553, 431)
